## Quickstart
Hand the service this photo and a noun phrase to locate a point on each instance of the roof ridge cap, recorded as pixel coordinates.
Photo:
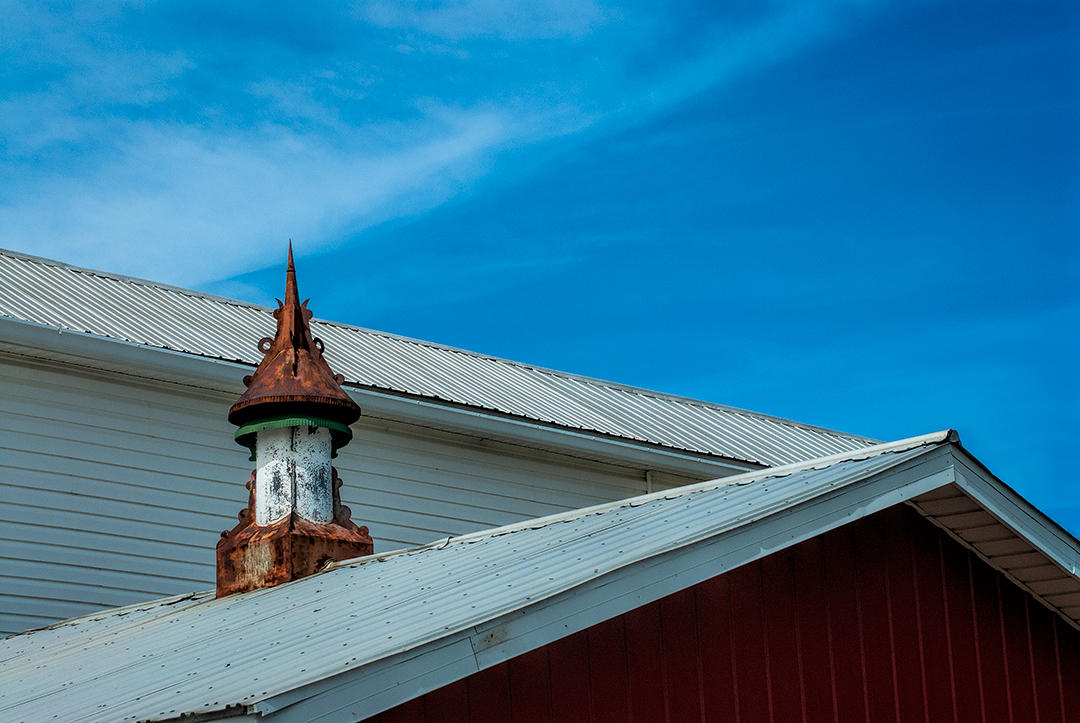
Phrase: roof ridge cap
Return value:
(197, 596)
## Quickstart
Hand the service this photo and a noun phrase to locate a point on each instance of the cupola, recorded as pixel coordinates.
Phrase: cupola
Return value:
(293, 418)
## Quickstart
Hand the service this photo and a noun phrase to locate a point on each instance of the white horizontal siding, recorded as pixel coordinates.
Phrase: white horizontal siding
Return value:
(113, 491)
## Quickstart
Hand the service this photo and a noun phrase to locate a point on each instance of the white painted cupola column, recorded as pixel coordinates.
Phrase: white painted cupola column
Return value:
(293, 475)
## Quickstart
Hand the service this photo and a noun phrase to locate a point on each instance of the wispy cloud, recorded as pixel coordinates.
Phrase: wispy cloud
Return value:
(204, 205)
(489, 18)
(134, 143)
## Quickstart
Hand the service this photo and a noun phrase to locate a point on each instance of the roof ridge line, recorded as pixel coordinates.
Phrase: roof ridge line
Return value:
(119, 611)
(138, 280)
(901, 445)
(640, 391)
(595, 381)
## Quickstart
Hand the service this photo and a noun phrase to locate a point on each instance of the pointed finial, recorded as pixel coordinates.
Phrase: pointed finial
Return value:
(293, 375)
(292, 296)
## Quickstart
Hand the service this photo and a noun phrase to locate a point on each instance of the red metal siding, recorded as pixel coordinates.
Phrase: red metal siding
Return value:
(884, 619)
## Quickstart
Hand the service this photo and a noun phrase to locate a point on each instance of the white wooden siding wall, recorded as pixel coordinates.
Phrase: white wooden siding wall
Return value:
(113, 491)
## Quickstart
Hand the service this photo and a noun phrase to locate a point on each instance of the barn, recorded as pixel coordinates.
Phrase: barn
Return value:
(119, 469)
(867, 581)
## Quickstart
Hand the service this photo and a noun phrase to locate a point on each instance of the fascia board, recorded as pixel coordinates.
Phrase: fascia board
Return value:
(408, 674)
(153, 363)
(101, 353)
(389, 682)
(1018, 514)
(596, 447)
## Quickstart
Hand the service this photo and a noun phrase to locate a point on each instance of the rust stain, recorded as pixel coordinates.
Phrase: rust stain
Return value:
(293, 379)
(293, 376)
(250, 556)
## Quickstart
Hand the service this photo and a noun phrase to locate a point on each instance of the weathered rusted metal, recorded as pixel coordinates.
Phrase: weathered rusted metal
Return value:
(295, 388)
(251, 556)
(293, 376)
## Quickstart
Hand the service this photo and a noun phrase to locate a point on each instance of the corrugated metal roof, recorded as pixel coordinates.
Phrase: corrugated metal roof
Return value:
(56, 295)
(198, 654)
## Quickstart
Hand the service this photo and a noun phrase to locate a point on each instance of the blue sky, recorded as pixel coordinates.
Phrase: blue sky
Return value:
(862, 215)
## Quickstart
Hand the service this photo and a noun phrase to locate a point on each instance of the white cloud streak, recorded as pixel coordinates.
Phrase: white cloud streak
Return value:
(543, 19)
(105, 167)
(206, 205)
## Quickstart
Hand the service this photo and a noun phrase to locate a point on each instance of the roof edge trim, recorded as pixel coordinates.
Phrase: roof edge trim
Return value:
(392, 680)
(430, 344)
(903, 445)
(220, 375)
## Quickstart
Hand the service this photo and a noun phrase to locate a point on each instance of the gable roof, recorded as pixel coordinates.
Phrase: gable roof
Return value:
(156, 316)
(376, 631)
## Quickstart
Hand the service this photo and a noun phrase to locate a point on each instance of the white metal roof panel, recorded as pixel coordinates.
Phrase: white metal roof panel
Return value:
(193, 654)
(142, 312)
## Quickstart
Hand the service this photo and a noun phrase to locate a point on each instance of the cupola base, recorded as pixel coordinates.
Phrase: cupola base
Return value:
(251, 556)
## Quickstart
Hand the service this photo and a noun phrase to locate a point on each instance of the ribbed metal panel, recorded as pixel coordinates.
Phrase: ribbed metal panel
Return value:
(113, 493)
(198, 654)
(53, 294)
(885, 619)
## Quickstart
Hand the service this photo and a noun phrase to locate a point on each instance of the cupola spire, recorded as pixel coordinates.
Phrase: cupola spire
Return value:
(293, 418)
(293, 377)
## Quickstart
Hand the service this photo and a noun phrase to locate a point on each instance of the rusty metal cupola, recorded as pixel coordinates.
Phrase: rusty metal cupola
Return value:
(293, 418)
(293, 379)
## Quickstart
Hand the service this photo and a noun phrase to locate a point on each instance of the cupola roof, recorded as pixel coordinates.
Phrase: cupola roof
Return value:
(293, 379)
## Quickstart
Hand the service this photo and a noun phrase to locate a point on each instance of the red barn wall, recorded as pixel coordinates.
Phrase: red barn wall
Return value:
(884, 619)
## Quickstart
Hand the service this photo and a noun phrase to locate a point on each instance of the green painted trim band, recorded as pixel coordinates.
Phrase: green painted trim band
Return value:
(295, 421)
(340, 434)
